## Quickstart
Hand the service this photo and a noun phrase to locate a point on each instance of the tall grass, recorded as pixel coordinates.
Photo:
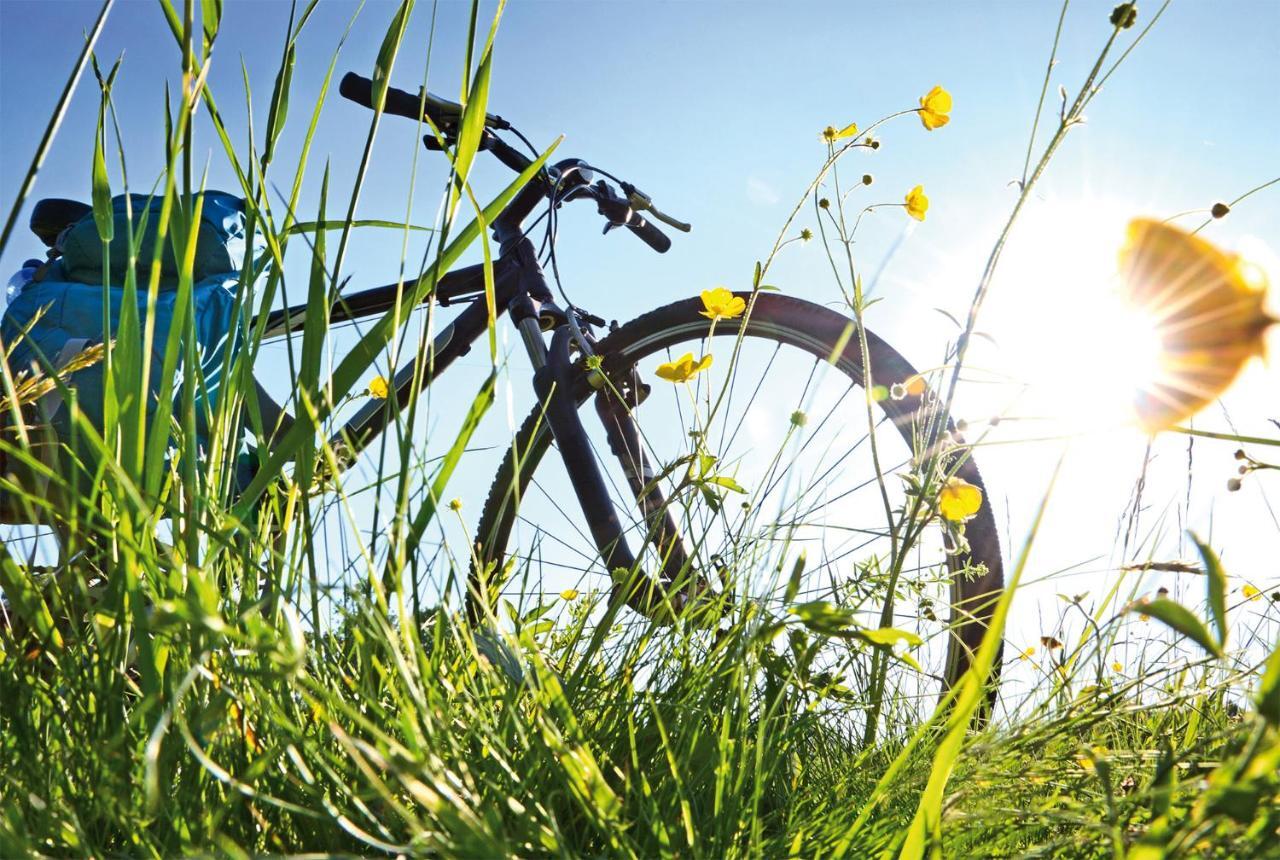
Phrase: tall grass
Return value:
(186, 680)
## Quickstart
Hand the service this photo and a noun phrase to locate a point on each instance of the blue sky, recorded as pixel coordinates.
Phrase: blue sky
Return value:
(715, 110)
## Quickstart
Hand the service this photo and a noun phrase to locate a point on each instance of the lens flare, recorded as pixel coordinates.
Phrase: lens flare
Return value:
(1205, 308)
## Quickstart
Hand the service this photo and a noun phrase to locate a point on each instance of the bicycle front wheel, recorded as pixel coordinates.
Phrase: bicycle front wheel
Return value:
(770, 451)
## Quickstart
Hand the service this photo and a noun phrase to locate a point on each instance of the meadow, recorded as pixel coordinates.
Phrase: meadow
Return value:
(238, 639)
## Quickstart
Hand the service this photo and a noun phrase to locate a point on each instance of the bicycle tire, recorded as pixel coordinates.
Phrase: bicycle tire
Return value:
(817, 331)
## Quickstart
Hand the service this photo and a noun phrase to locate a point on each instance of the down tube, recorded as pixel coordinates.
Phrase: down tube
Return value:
(451, 342)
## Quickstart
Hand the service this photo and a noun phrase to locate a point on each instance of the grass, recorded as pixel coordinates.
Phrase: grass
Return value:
(188, 680)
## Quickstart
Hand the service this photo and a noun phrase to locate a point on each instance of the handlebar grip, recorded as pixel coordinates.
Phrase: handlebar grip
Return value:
(359, 89)
(649, 234)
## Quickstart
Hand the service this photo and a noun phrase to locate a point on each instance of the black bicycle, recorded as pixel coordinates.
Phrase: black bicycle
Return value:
(720, 442)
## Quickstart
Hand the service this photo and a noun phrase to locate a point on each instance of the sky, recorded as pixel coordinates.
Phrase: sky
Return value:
(715, 109)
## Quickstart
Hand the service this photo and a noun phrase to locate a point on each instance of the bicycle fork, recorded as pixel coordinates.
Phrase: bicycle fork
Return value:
(553, 383)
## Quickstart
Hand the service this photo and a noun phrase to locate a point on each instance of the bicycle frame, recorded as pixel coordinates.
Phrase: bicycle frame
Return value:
(521, 291)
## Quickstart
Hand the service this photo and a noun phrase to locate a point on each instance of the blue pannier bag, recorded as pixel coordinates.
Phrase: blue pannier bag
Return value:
(52, 319)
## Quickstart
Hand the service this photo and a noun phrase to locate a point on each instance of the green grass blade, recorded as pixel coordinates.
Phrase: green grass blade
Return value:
(924, 832)
(1180, 619)
(55, 121)
(1217, 588)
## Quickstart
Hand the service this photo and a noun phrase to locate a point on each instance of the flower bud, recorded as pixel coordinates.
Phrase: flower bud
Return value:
(823, 203)
(874, 144)
(806, 234)
(1233, 485)
(867, 179)
(1219, 210)
(1240, 454)
(1124, 15)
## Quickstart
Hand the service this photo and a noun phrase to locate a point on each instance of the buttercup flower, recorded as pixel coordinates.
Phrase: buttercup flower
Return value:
(1117, 666)
(721, 304)
(569, 594)
(1251, 593)
(455, 505)
(683, 368)
(1026, 655)
(830, 135)
(1206, 308)
(959, 500)
(935, 108)
(379, 387)
(917, 203)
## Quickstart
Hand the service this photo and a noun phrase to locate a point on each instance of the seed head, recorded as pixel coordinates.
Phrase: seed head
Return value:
(1124, 15)
(1219, 210)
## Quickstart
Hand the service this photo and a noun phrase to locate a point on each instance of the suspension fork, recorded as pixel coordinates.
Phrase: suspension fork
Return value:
(613, 406)
(553, 384)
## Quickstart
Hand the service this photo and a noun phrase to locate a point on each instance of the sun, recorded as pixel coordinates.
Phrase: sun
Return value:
(1073, 354)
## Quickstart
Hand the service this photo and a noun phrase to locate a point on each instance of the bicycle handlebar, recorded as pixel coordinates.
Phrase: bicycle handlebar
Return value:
(442, 112)
(619, 210)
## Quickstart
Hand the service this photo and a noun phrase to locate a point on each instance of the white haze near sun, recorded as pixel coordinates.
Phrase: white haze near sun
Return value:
(1061, 362)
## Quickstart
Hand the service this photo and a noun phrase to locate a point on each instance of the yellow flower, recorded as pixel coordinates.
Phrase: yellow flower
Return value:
(935, 108)
(721, 304)
(1206, 309)
(917, 203)
(569, 594)
(455, 505)
(1026, 655)
(1251, 593)
(1117, 666)
(959, 500)
(379, 387)
(683, 368)
(831, 135)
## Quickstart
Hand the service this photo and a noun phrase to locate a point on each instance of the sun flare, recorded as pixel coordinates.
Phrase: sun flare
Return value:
(1067, 341)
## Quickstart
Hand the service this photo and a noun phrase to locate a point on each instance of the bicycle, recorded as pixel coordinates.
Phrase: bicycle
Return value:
(624, 490)
(641, 471)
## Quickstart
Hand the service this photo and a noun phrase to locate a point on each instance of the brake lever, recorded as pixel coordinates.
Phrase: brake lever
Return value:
(641, 202)
(616, 210)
